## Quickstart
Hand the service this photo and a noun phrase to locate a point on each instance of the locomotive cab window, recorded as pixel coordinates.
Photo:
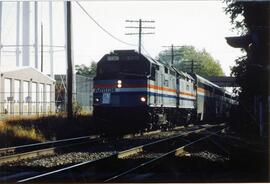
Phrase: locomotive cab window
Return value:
(153, 71)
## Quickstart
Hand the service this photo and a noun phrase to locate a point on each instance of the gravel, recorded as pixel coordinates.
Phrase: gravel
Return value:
(62, 159)
(145, 155)
(92, 152)
(210, 156)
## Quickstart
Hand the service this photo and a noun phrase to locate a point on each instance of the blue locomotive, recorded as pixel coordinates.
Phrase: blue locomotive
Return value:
(134, 92)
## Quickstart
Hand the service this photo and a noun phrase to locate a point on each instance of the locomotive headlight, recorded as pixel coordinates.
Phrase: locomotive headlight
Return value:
(97, 99)
(143, 99)
(119, 83)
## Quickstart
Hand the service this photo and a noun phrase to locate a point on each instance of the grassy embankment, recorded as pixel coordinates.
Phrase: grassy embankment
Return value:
(30, 129)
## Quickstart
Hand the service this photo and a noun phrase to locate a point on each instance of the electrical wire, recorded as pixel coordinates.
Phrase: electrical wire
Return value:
(102, 28)
(149, 55)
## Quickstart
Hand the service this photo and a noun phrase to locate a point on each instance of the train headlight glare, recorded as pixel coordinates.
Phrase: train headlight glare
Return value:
(119, 83)
(96, 99)
(143, 99)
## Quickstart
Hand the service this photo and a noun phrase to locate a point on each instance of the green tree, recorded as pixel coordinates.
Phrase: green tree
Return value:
(203, 63)
(251, 20)
(86, 70)
(236, 12)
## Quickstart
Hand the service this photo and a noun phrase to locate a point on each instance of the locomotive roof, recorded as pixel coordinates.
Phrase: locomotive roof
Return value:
(133, 52)
(151, 60)
(183, 74)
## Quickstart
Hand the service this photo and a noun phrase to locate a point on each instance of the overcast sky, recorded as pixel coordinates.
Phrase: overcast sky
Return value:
(202, 24)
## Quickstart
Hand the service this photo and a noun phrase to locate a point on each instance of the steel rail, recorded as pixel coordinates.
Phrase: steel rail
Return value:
(35, 153)
(50, 151)
(177, 152)
(120, 154)
(14, 148)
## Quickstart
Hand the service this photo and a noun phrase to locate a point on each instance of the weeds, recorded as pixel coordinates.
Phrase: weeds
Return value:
(23, 130)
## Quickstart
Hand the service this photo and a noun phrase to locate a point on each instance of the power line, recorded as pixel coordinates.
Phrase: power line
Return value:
(172, 52)
(102, 28)
(191, 65)
(140, 27)
(149, 55)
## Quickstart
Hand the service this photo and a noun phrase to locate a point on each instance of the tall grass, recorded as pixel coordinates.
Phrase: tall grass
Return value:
(23, 130)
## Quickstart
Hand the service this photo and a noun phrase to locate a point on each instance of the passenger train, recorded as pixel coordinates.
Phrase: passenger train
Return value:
(134, 92)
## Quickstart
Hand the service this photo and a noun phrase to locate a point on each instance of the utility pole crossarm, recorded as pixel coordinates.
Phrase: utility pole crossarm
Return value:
(138, 33)
(147, 21)
(172, 52)
(140, 28)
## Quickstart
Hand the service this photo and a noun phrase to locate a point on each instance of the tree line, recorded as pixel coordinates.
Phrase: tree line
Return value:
(186, 58)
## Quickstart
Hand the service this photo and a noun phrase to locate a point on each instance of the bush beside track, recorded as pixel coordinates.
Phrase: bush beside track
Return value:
(31, 129)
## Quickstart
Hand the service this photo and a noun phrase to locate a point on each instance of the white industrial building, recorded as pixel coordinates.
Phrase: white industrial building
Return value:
(25, 90)
(26, 57)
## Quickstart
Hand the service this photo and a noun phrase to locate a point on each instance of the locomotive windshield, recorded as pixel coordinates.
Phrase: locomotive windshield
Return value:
(125, 66)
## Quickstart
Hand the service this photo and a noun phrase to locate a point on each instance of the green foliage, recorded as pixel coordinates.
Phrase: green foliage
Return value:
(204, 64)
(239, 71)
(235, 10)
(85, 70)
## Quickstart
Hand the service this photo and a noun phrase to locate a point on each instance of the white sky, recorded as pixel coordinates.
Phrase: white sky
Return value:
(202, 24)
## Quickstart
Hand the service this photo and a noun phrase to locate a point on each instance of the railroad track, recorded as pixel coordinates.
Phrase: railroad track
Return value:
(16, 153)
(101, 169)
(154, 157)
(59, 154)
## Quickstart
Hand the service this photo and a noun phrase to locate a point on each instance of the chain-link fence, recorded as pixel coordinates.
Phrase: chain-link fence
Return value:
(23, 103)
(20, 97)
(82, 97)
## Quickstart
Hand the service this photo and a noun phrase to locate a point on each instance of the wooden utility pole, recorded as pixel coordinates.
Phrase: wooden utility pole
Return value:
(140, 35)
(69, 60)
(140, 27)
(172, 52)
(192, 66)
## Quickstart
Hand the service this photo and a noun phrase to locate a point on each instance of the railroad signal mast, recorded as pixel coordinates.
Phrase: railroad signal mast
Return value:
(140, 27)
